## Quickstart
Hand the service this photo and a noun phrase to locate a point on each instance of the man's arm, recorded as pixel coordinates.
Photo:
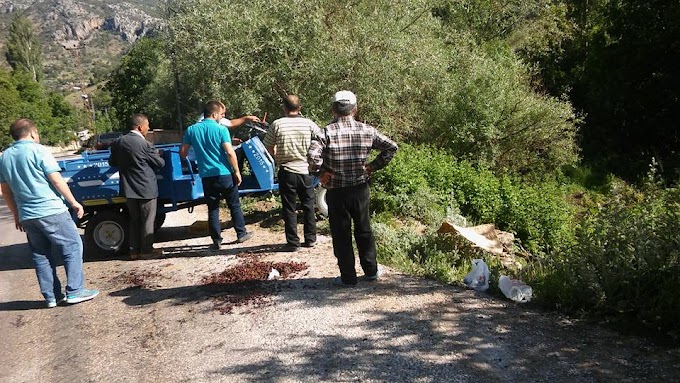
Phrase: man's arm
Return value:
(184, 150)
(388, 149)
(270, 140)
(236, 122)
(315, 151)
(113, 158)
(60, 184)
(155, 159)
(11, 204)
(233, 161)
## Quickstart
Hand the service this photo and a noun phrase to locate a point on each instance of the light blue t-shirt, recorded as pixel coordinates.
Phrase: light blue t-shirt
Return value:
(206, 138)
(25, 166)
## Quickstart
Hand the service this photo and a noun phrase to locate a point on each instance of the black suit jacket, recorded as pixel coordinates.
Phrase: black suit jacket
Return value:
(136, 158)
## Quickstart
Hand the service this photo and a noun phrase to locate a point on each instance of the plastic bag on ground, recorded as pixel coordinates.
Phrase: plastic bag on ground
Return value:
(274, 274)
(478, 278)
(515, 289)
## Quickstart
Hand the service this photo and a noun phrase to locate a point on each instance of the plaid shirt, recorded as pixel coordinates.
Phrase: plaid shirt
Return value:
(343, 147)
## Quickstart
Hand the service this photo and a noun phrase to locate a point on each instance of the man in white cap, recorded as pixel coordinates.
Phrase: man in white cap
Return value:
(339, 154)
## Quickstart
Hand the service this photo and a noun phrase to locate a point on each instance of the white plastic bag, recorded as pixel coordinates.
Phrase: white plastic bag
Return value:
(478, 278)
(274, 274)
(515, 289)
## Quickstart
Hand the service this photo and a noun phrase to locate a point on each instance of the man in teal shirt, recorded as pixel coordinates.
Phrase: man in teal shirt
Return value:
(33, 188)
(219, 171)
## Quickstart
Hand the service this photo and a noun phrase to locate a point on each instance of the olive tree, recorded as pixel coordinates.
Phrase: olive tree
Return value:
(414, 79)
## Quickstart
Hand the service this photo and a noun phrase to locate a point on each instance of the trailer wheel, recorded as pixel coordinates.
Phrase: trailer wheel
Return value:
(158, 222)
(106, 234)
(321, 204)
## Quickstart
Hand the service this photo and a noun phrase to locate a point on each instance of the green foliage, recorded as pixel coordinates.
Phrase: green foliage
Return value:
(9, 106)
(625, 262)
(22, 97)
(23, 47)
(142, 84)
(619, 66)
(538, 213)
(413, 80)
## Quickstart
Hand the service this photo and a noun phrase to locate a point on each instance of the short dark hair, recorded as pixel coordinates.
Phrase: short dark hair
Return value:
(212, 107)
(291, 103)
(343, 109)
(21, 128)
(136, 120)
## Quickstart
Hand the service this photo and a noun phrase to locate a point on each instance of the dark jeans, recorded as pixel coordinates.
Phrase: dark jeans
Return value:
(215, 189)
(347, 205)
(292, 186)
(142, 217)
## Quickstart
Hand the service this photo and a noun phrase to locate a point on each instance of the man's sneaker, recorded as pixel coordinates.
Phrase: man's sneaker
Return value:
(214, 246)
(338, 282)
(374, 277)
(309, 244)
(54, 303)
(81, 296)
(245, 237)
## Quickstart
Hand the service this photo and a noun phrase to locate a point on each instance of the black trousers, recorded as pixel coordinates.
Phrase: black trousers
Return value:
(346, 206)
(291, 187)
(142, 216)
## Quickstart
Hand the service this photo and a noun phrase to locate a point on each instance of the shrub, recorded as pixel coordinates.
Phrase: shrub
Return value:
(625, 262)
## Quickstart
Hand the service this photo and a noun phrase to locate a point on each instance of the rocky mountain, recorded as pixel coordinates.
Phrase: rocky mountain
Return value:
(82, 39)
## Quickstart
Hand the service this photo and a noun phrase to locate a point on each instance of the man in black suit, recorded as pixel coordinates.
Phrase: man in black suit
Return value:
(136, 159)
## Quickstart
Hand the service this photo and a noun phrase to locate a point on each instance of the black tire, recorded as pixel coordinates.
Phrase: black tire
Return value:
(106, 234)
(158, 222)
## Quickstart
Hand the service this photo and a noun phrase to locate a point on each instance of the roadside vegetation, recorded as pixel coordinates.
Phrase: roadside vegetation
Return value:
(515, 115)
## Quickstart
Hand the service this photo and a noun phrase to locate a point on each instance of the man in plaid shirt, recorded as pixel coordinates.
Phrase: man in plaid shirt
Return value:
(339, 154)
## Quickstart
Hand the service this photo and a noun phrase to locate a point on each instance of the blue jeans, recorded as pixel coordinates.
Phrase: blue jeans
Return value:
(51, 238)
(216, 188)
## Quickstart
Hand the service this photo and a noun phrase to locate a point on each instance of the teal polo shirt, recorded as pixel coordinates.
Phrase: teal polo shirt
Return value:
(206, 138)
(25, 166)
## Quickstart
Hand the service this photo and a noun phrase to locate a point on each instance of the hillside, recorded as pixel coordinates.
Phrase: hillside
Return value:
(82, 40)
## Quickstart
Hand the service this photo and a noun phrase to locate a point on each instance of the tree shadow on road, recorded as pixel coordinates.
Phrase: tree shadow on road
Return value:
(21, 305)
(16, 257)
(460, 336)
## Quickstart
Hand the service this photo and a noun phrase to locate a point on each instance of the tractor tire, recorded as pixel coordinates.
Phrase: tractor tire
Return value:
(321, 204)
(106, 234)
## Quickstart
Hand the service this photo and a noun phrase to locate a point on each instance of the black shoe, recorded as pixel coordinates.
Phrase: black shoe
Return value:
(216, 245)
(309, 244)
(290, 248)
(245, 237)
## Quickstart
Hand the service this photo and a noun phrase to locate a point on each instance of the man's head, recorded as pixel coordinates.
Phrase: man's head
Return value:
(344, 103)
(214, 110)
(24, 128)
(291, 104)
(140, 123)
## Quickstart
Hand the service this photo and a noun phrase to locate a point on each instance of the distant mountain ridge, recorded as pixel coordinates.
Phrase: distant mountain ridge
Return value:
(82, 39)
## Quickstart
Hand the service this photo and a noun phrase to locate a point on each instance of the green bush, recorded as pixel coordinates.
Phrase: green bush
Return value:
(625, 263)
(539, 214)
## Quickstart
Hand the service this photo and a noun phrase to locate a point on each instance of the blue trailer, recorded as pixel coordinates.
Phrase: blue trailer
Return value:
(95, 185)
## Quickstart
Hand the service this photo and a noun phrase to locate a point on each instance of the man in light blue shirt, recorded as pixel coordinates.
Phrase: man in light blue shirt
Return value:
(33, 188)
(219, 171)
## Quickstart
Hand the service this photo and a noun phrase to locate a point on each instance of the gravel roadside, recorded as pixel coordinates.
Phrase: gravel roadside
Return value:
(156, 321)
